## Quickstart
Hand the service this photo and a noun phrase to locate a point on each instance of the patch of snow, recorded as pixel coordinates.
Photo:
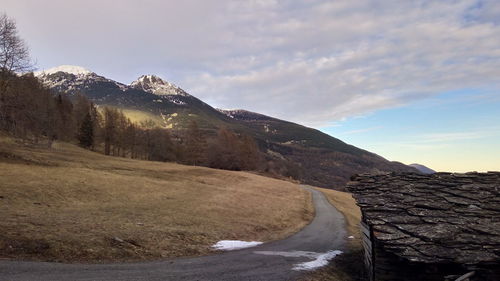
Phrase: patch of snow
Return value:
(294, 141)
(228, 245)
(350, 237)
(319, 259)
(173, 99)
(266, 128)
(232, 112)
(72, 69)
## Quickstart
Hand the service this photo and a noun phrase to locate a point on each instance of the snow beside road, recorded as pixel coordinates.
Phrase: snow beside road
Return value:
(321, 260)
(228, 245)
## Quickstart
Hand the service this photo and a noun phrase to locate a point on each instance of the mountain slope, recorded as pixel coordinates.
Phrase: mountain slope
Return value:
(312, 156)
(423, 169)
(323, 159)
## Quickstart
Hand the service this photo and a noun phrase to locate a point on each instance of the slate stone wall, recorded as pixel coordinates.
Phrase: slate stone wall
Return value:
(425, 227)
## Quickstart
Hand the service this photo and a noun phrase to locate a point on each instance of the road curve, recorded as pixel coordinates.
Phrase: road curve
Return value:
(269, 261)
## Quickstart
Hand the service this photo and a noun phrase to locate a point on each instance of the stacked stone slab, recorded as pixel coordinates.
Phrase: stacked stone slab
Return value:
(430, 226)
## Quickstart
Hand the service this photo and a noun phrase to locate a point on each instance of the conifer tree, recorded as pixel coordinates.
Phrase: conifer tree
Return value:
(86, 132)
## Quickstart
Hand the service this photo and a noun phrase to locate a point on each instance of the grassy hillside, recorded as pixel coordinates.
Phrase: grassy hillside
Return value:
(139, 116)
(69, 204)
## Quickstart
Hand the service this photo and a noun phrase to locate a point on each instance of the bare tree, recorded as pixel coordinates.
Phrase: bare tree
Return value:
(223, 152)
(249, 153)
(195, 145)
(14, 57)
(14, 54)
(110, 129)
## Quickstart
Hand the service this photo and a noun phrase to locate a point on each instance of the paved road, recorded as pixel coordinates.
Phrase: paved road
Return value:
(269, 261)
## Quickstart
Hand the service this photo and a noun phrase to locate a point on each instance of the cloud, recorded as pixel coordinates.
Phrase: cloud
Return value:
(313, 62)
(339, 59)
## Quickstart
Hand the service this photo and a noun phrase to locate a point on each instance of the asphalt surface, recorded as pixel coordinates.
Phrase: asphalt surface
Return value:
(269, 261)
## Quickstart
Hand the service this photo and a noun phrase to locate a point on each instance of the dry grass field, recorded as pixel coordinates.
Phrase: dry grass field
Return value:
(349, 265)
(69, 204)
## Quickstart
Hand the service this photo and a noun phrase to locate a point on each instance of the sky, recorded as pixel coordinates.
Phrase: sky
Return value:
(413, 81)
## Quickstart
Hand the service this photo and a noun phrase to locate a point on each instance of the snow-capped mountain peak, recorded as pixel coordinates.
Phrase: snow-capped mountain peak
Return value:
(71, 79)
(155, 85)
(71, 69)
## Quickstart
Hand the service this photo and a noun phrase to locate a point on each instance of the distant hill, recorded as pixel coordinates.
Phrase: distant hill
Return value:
(312, 156)
(423, 169)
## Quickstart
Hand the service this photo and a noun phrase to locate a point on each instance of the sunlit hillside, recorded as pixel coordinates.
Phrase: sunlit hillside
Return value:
(70, 204)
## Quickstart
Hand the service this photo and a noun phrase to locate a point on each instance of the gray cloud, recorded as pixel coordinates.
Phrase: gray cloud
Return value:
(313, 62)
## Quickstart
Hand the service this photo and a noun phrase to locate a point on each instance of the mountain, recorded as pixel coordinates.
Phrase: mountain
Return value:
(155, 85)
(423, 169)
(323, 159)
(169, 105)
(309, 154)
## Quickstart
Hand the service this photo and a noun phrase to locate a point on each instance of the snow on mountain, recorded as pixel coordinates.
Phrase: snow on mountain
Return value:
(155, 85)
(72, 78)
(71, 69)
(241, 114)
(229, 112)
(233, 113)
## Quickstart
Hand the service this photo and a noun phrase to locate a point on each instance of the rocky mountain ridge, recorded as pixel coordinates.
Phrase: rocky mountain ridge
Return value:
(155, 85)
